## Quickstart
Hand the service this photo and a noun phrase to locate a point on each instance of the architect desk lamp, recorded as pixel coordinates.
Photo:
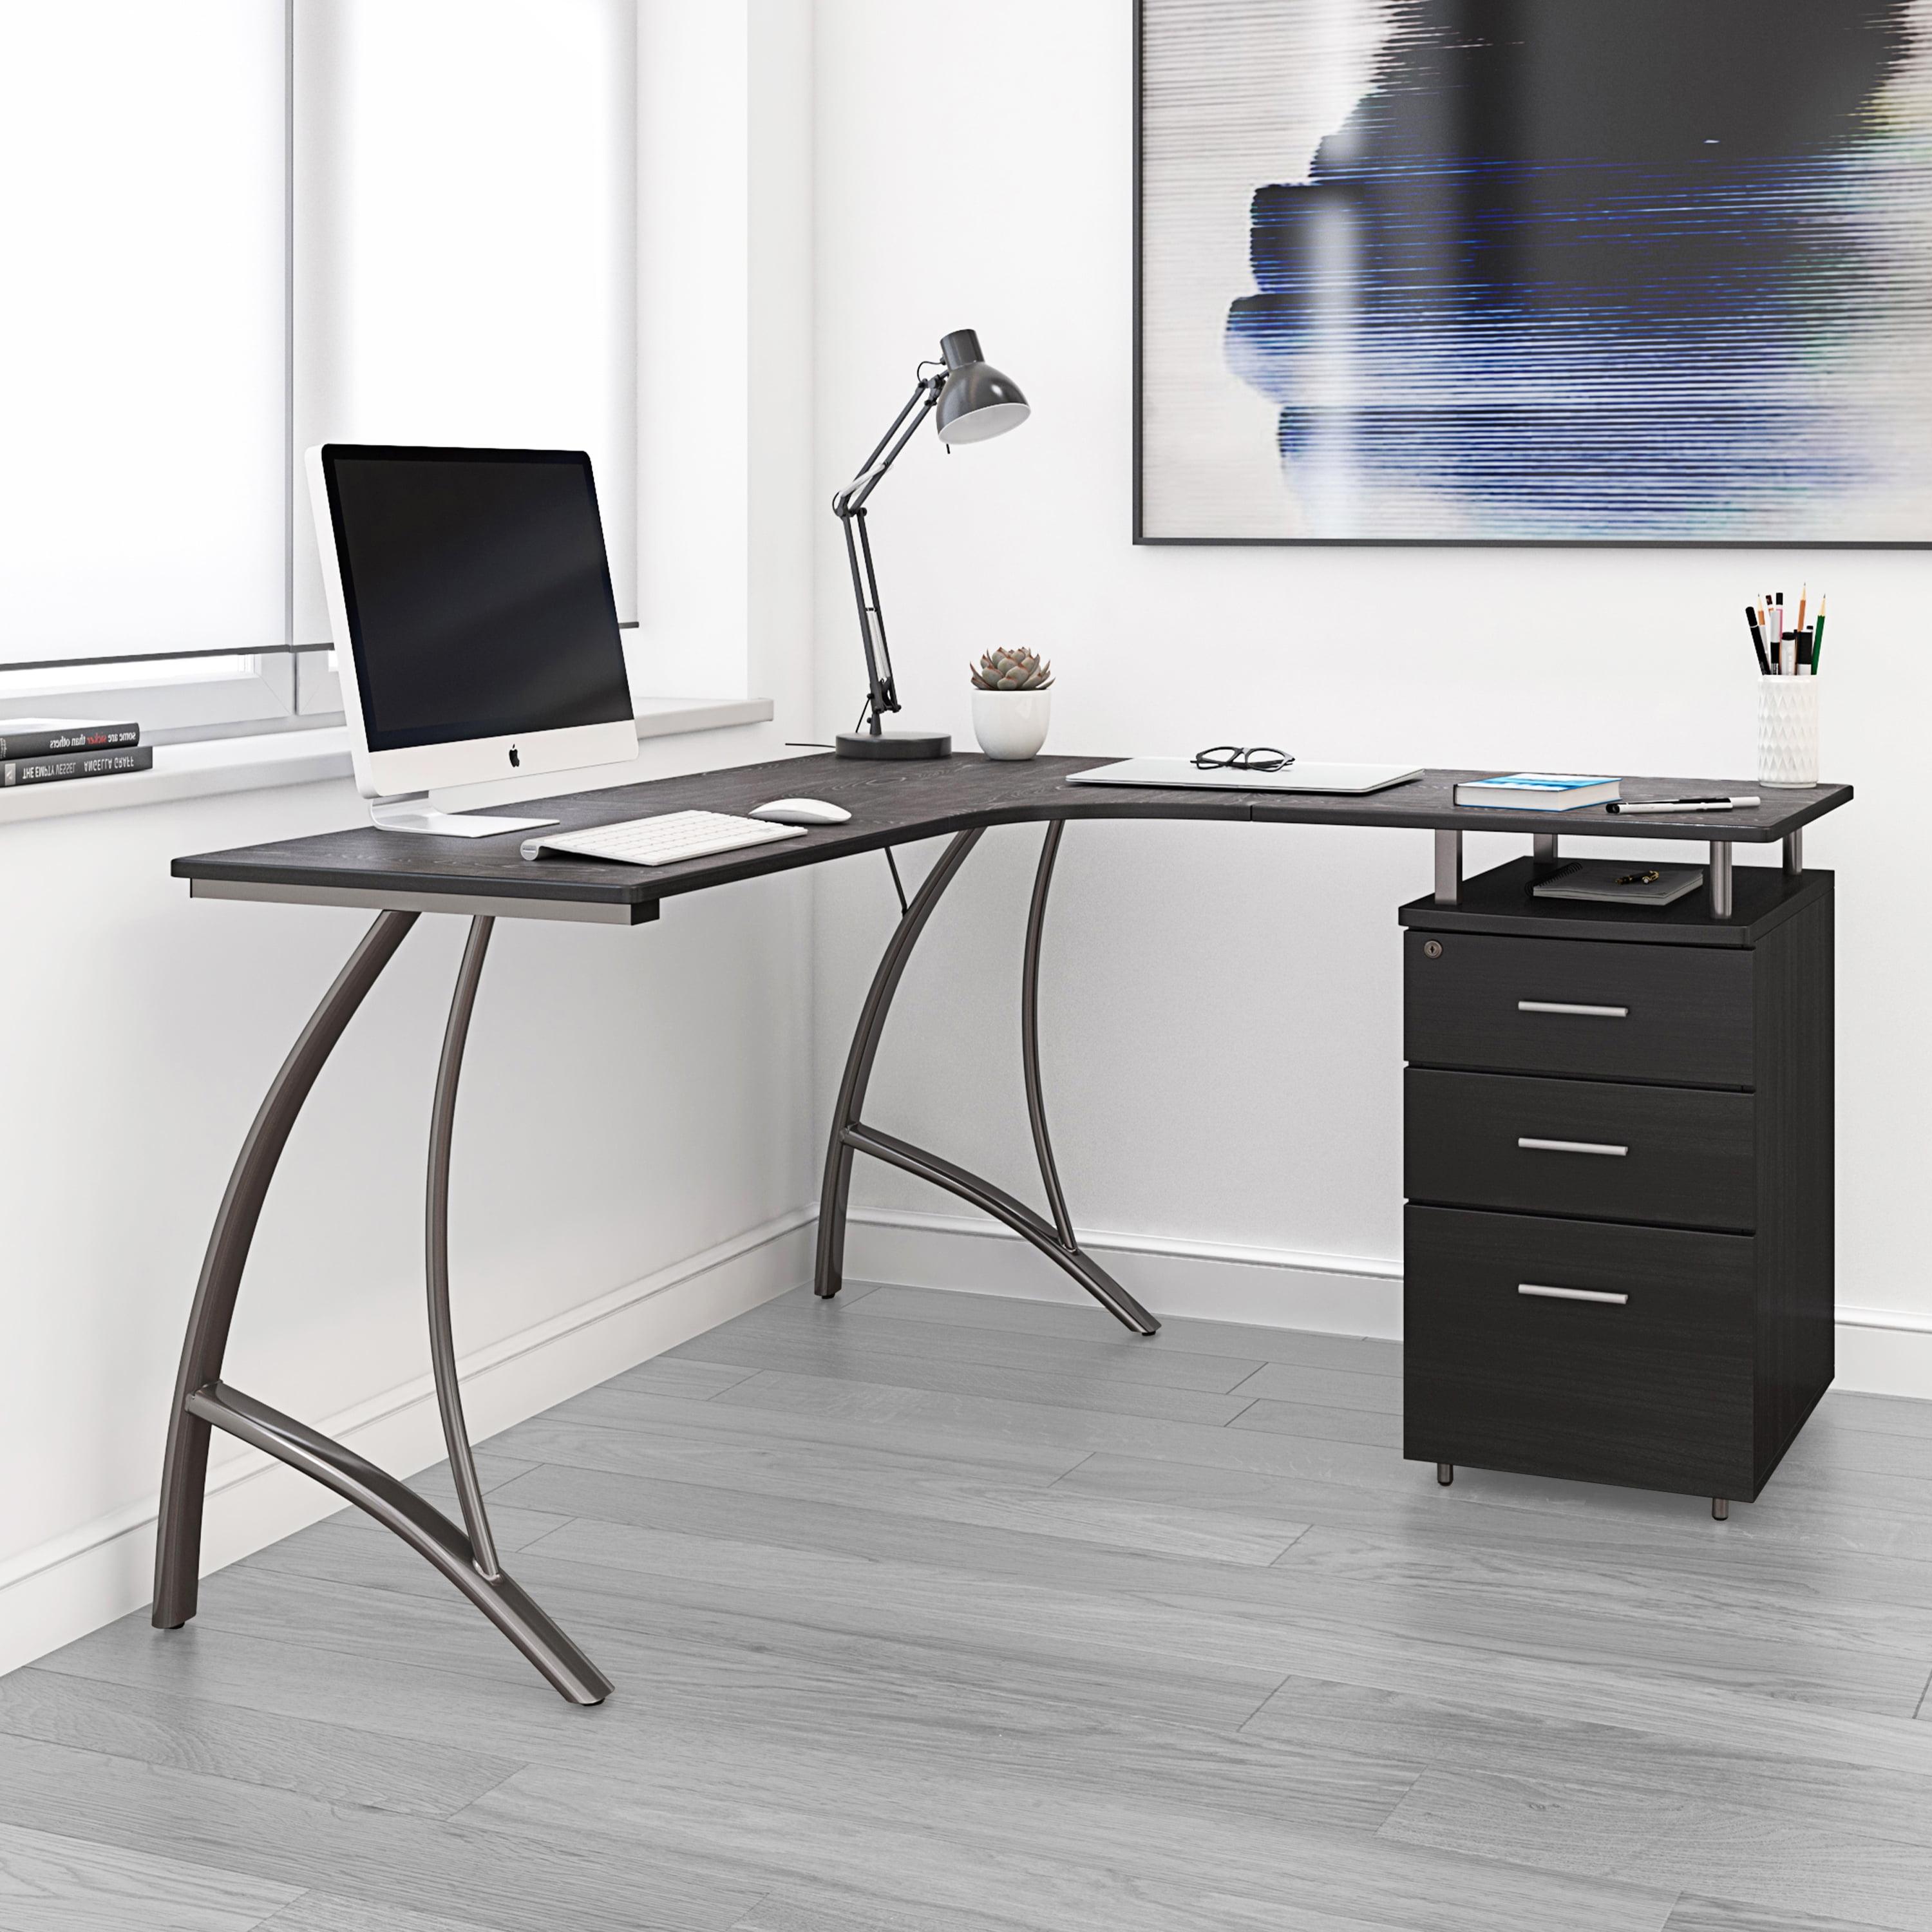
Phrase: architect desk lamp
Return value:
(974, 402)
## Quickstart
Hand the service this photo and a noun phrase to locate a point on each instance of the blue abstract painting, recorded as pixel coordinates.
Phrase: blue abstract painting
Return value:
(1519, 271)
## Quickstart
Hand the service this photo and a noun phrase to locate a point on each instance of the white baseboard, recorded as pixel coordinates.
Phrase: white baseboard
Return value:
(61, 1589)
(1884, 1350)
(1276, 1287)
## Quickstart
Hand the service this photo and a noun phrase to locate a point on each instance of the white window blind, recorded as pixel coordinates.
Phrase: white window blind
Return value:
(448, 187)
(142, 334)
(466, 231)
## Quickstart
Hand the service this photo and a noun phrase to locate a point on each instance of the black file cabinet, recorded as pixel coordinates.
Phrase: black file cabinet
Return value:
(1618, 1162)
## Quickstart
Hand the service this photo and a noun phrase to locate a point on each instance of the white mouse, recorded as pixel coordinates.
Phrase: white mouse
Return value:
(801, 811)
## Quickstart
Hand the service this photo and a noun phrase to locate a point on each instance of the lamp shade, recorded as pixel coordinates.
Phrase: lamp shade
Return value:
(977, 402)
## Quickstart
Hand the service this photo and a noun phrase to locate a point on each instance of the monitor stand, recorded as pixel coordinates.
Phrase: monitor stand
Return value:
(409, 811)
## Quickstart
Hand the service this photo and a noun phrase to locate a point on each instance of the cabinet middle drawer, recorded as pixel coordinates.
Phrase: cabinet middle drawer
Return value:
(1676, 1157)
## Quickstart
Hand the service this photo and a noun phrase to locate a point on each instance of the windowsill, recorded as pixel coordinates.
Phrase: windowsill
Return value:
(303, 757)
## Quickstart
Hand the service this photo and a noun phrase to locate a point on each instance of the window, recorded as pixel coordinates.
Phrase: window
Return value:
(236, 227)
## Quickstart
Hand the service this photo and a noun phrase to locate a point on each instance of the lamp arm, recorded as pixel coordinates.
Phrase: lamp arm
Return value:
(919, 405)
(849, 507)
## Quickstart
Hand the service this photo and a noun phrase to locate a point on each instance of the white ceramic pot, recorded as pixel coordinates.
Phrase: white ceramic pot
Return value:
(1011, 724)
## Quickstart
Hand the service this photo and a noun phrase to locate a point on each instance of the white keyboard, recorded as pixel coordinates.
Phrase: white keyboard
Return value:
(662, 840)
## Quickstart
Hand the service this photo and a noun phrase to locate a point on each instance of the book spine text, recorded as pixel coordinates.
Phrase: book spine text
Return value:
(88, 765)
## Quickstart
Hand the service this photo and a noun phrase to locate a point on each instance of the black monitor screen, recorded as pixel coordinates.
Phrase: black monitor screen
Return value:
(478, 592)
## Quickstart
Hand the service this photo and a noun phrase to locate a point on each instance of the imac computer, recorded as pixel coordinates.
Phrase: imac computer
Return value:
(469, 599)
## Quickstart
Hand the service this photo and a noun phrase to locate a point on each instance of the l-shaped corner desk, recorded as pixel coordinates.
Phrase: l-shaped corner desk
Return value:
(1618, 1160)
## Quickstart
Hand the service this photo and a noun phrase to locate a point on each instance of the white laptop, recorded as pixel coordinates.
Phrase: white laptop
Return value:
(1300, 776)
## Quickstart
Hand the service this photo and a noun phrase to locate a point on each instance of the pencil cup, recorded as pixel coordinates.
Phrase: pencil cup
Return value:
(1787, 731)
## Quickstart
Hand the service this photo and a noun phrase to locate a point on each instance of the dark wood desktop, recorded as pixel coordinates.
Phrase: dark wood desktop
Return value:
(1619, 1123)
(893, 805)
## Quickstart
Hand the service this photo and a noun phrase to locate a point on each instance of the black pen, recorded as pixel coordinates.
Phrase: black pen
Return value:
(1718, 803)
(1757, 639)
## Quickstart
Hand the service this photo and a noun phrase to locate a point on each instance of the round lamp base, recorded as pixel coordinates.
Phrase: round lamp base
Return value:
(895, 745)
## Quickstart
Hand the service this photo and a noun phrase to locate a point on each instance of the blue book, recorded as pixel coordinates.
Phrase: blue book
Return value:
(1538, 791)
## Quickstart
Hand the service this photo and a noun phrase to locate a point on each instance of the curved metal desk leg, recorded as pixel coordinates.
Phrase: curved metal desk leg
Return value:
(1049, 1174)
(203, 1401)
(1056, 1239)
(836, 1193)
(1089, 1274)
(184, 1471)
(442, 1335)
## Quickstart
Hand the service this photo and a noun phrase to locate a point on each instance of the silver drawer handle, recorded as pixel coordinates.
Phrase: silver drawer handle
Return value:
(1565, 1006)
(1569, 1294)
(1569, 1147)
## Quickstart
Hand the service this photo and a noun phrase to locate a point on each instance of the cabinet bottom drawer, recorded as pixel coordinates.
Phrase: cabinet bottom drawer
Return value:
(1576, 1349)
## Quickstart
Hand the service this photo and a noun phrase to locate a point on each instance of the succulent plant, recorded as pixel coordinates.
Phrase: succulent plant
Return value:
(1018, 669)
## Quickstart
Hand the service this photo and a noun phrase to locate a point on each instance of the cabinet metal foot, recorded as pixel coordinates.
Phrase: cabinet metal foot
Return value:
(1720, 1508)
(1445, 1473)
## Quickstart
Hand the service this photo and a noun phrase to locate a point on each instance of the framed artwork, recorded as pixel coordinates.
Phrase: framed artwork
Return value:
(1571, 272)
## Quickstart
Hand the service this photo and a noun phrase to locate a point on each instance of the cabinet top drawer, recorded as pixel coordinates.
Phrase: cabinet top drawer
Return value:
(1681, 1015)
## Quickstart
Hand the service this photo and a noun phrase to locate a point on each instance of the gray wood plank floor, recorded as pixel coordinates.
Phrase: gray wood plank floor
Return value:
(948, 1613)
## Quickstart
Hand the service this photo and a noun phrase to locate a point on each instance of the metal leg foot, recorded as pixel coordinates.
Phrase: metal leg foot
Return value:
(1055, 1239)
(419, 1524)
(1720, 1508)
(1445, 1473)
(466, 1556)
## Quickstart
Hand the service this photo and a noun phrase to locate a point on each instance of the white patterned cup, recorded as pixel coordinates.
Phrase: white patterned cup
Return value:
(1787, 731)
(1011, 724)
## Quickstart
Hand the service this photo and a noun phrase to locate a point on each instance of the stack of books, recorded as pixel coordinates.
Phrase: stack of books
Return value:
(48, 751)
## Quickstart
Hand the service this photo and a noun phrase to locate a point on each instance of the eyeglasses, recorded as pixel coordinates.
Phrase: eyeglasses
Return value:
(1242, 758)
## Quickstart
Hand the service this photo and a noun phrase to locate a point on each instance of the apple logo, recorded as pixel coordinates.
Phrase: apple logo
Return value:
(515, 759)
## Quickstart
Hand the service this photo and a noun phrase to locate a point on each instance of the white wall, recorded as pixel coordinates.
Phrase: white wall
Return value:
(634, 1156)
(1222, 1003)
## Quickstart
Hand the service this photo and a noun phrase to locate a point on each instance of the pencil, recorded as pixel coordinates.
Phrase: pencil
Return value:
(1818, 636)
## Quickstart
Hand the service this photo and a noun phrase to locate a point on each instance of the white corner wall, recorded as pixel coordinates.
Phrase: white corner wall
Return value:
(635, 1155)
(1221, 1006)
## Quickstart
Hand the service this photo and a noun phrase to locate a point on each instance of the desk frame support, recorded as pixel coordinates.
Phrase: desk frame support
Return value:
(202, 1402)
(1720, 878)
(436, 1256)
(1055, 1239)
